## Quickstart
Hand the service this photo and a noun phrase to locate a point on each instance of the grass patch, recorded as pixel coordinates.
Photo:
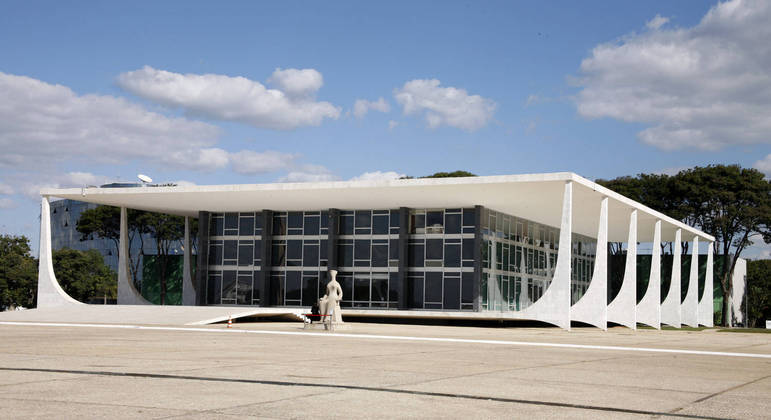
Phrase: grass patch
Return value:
(746, 330)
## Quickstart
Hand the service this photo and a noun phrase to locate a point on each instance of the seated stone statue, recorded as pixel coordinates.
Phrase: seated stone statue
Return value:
(329, 304)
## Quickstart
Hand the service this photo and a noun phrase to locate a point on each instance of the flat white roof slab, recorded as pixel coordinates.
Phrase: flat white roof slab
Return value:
(537, 197)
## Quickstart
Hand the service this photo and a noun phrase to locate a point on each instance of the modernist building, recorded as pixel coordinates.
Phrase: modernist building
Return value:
(495, 247)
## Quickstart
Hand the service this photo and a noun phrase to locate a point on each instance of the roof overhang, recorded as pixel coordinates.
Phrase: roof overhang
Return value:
(537, 197)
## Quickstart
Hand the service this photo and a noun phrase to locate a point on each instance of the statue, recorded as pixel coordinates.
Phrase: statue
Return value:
(329, 304)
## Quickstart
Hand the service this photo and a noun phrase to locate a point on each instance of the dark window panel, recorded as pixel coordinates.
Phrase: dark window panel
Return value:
(417, 221)
(434, 249)
(258, 222)
(416, 255)
(416, 286)
(215, 255)
(394, 287)
(434, 218)
(231, 250)
(294, 232)
(345, 255)
(468, 249)
(278, 255)
(346, 225)
(256, 287)
(214, 290)
(380, 225)
(324, 250)
(231, 220)
(363, 231)
(361, 249)
(246, 226)
(310, 290)
(361, 289)
(244, 290)
(467, 288)
(217, 226)
(294, 249)
(257, 249)
(433, 286)
(310, 256)
(452, 255)
(312, 224)
(229, 284)
(245, 255)
(292, 285)
(393, 249)
(380, 255)
(452, 292)
(363, 218)
(346, 284)
(379, 290)
(452, 223)
(394, 223)
(276, 290)
(279, 225)
(295, 220)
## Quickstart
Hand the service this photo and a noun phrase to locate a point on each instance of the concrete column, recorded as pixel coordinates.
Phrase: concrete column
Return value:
(554, 306)
(689, 309)
(706, 305)
(592, 308)
(188, 289)
(478, 243)
(265, 257)
(623, 308)
(127, 292)
(49, 292)
(202, 270)
(333, 226)
(649, 308)
(670, 308)
(403, 244)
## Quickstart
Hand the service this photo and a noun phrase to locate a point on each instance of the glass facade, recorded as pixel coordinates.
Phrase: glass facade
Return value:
(441, 267)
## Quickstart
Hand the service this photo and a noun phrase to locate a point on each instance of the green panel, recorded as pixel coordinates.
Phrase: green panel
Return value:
(151, 279)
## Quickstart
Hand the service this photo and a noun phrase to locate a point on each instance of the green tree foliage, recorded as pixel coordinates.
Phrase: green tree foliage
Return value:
(18, 273)
(729, 202)
(454, 174)
(758, 293)
(165, 229)
(104, 221)
(83, 274)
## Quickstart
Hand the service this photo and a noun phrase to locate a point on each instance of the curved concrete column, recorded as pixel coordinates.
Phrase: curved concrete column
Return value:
(649, 308)
(188, 290)
(49, 292)
(689, 309)
(127, 293)
(554, 306)
(622, 310)
(706, 305)
(739, 283)
(670, 308)
(592, 308)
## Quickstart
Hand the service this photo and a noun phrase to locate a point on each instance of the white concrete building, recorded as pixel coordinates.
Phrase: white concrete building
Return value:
(494, 247)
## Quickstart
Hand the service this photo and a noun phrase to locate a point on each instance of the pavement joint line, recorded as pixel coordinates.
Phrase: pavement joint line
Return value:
(366, 389)
(397, 337)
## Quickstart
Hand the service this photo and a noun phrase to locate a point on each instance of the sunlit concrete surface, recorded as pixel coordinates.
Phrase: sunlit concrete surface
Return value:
(68, 372)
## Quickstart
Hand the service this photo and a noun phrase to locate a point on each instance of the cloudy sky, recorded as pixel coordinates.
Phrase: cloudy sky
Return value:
(251, 92)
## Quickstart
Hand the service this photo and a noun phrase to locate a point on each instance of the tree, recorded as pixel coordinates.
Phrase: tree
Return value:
(454, 174)
(83, 274)
(758, 292)
(165, 229)
(104, 221)
(18, 273)
(729, 202)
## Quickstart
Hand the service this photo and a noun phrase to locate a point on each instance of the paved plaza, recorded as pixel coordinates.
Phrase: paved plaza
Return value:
(277, 370)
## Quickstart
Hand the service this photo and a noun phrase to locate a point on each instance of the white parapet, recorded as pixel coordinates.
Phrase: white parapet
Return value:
(622, 309)
(188, 291)
(706, 306)
(49, 292)
(670, 308)
(592, 307)
(127, 293)
(554, 306)
(689, 309)
(649, 308)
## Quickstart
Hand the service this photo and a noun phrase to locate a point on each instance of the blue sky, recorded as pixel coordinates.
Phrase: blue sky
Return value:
(106, 90)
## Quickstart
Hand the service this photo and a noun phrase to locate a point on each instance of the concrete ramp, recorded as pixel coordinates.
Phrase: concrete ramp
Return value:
(145, 314)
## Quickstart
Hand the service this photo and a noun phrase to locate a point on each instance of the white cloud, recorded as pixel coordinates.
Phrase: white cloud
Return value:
(251, 162)
(7, 203)
(310, 173)
(392, 124)
(444, 105)
(378, 176)
(239, 99)
(704, 87)
(657, 22)
(42, 123)
(764, 165)
(30, 186)
(6, 189)
(362, 106)
(296, 82)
